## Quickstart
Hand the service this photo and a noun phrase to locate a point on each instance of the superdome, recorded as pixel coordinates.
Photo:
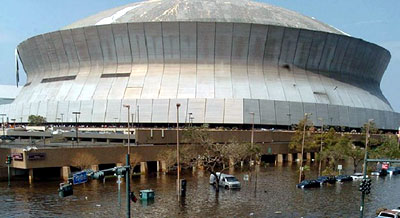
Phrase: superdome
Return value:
(235, 11)
(223, 61)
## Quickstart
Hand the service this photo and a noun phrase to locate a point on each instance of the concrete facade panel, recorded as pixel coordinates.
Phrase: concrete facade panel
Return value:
(282, 110)
(267, 112)
(160, 111)
(214, 111)
(250, 107)
(233, 111)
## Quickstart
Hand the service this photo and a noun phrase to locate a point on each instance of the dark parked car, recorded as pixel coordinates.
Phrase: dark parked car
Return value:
(381, 172)
(7, 137)
(343, 178)
(308, 184)
(393, 170)
(326, 179)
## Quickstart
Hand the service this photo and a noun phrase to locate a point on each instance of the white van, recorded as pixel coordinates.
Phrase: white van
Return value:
(226, 181)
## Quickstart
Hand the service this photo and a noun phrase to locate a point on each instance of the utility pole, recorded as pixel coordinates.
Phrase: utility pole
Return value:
(365, 167)
(290, 121)
(76, 113)
(178, 167)
(2, 125)
(320, 152)
(128, 163)
(302, 145)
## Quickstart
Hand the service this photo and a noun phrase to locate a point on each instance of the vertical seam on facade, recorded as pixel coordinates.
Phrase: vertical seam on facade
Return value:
(215, 45)
(305, 68)
(131, 63)
(147, 69)
(180, 62)
(293, 65)
(163, 58)
(90, 60)
(247, 61)
(230, 65)
(263, 62)
(278, 64)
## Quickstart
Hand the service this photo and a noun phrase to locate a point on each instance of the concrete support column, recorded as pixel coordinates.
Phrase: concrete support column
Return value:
(65, 172)
(119, 164)
(94, 168)
(299, 157)
(31, 176)
(143, 167)
(290, 157)
(108, 141)
(280, 158)
(308, 156)
(163, 166)
(93, 141)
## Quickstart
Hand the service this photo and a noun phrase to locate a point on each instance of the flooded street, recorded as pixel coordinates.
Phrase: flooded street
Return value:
(275, 196)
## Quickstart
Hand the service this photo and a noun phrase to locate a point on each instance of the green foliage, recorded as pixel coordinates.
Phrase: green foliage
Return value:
(297, 139)
(36, 120)
(388, 149)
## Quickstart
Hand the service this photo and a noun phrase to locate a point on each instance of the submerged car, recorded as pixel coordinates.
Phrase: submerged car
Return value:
(389, 213)
(326, 179)
(358, 176)
(381, 172)
(309, 184)
(225, 180)
(344, 178)
(393, 170)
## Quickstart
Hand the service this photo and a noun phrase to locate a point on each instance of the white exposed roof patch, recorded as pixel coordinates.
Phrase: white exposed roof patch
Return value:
(114, 17)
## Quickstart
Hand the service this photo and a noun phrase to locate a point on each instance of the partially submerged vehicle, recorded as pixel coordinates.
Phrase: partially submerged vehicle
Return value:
(225, 180)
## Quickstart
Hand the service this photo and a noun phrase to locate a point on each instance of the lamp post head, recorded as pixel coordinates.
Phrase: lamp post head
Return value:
(178, 105)
(127, 106)
(76, 112)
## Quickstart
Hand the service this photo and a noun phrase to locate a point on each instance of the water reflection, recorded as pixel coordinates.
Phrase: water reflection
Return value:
(275, 192)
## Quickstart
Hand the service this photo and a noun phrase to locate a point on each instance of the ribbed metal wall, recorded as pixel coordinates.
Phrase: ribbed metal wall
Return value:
(220, 72)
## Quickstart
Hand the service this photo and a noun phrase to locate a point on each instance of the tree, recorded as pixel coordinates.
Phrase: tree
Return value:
(36, 120)
(388, 149)
(297, 139)
(214, 157)
(355, 153)
(331, 151)
(84, 160)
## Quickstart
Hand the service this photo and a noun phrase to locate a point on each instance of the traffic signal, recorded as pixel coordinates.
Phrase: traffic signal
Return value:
(98, 175)
(8, 160)
(119, 171)
(365, 186)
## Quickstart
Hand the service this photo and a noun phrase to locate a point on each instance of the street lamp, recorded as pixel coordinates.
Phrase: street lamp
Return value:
(177, 151)
(365, 166)
(290, 123)
(320, 152)
(128, 163)
(62, 118)
(76, 113)
(302, 144)
(2, 124)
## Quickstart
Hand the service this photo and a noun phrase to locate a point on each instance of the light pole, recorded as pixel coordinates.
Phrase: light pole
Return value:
(76, 113)
(2, 124)
(62, 118)
(320, 152)
(289, 115)
(302, 145)
(115, 124)
(137, 112)
(178, 167)
(128, 163)
(365, 166)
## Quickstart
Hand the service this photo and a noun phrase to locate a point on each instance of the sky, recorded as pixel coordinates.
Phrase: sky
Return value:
(371, 20)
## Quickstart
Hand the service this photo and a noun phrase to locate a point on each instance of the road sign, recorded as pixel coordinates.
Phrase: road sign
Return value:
(339, 167)
(79, 178)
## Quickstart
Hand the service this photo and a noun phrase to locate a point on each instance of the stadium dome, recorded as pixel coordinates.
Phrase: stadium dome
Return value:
(226, 62)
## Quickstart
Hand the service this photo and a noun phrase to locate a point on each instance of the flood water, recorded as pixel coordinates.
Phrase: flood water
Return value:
(275, 196)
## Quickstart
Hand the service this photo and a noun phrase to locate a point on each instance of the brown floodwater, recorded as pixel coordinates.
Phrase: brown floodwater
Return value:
(274, 196)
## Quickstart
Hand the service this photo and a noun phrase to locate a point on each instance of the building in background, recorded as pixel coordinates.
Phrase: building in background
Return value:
(226, 62)
(8, 93)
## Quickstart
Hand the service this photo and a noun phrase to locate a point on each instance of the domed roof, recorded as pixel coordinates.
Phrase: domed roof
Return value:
(239, 11)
